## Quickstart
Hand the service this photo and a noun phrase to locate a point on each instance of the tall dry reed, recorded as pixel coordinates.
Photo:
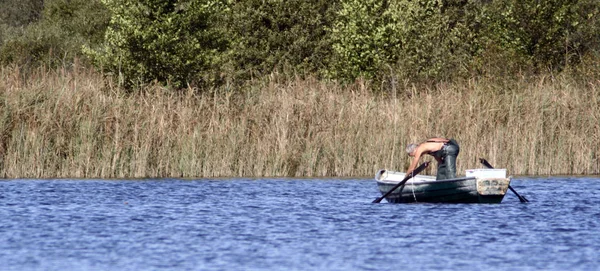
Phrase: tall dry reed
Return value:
(74, 123)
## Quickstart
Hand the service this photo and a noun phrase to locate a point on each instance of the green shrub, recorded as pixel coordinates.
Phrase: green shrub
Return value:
(585, 39)
(364, 38)
(279, 34)
(542, 34)
(414, 39)
(169, 41)
(83, 19)
(16, 13)
(56, 39)
(437, 38)
(442, 39)
(38, 44)
(203, 42)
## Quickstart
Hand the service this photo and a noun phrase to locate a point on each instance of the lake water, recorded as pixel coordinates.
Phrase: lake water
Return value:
(291, 224)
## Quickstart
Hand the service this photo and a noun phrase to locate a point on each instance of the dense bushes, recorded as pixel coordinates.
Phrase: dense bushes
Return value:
(20, 12)
(52, 33)
(448, 38)
(544, 34)
(168, 41)
(204, 42)
(275, 34)
(416, 39)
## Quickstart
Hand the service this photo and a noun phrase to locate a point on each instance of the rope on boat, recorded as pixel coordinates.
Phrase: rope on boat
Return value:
(413, 191)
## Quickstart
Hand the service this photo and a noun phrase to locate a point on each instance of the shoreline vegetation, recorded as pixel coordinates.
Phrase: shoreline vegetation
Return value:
(296, 88)
(76, 123)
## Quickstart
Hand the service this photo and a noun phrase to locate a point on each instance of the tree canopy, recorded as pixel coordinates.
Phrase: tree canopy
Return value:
(208, 42)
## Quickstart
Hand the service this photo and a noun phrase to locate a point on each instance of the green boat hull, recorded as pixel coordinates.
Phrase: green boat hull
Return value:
(459, 190)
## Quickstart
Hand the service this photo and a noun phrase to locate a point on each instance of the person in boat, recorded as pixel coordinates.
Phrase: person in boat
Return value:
(443, 150)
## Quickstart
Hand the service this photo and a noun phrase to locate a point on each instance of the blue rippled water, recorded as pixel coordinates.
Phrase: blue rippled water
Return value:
(291, 224)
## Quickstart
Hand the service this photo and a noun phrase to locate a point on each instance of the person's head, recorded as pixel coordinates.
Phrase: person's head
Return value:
(410, 149)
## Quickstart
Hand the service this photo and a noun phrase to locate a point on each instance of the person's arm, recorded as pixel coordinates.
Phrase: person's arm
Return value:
(415, 161)
(425, 147)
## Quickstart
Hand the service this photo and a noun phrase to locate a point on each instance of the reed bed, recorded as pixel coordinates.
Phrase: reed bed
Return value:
(75, 123)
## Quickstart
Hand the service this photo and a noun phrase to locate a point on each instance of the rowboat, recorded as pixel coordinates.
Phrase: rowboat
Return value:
(478, 186)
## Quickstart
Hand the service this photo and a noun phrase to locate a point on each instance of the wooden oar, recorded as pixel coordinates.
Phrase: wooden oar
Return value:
(408, 176)
(521, 198)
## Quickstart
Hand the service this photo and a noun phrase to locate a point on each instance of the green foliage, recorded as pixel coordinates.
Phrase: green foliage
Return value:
(20, 12)
(540, 34)
(425, 39)
(364, 38)
(442, 39)
(38, 45)
(14, 16)
(79, 18)
(204, 42)
(438, 38)
(168, 41)
(57, 38)
(585, 37)
(279, 34)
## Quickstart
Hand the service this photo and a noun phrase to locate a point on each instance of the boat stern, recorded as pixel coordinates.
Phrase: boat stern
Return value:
(492, 190)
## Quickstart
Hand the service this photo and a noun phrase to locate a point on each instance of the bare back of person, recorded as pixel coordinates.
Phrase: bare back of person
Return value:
(434, 147)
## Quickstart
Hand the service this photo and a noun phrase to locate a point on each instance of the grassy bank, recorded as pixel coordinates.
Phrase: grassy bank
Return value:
(75, 123)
